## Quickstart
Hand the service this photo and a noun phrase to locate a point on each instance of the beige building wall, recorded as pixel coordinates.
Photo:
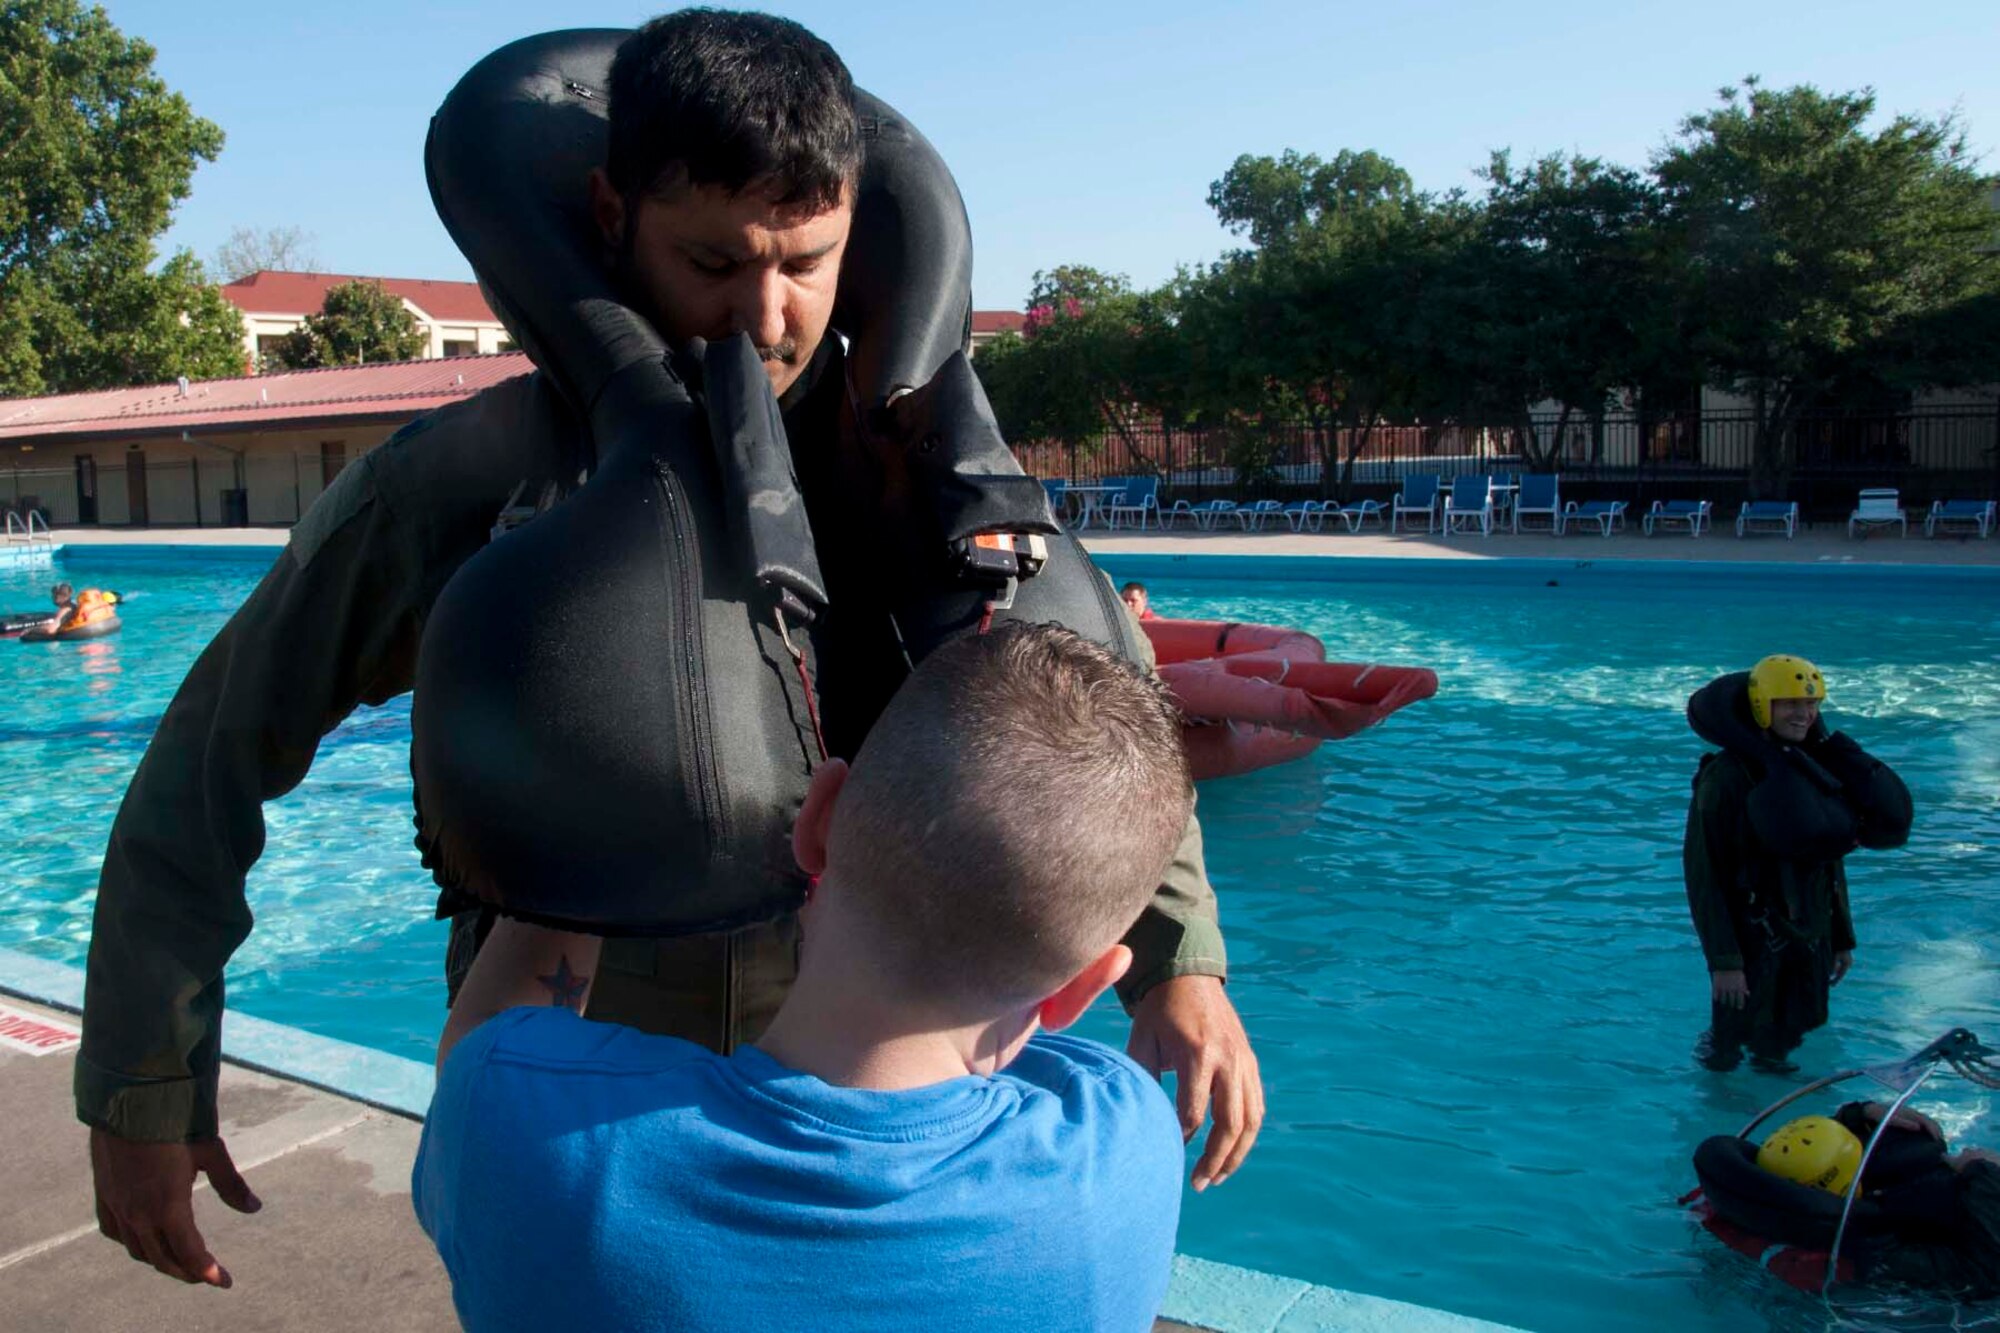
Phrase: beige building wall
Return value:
(441, 338)
(284, 471)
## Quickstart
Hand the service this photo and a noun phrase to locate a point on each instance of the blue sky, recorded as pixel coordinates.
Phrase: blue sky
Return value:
(1085, 132)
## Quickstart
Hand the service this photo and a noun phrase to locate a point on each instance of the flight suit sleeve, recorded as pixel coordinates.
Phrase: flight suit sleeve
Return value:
(1709, 864)
(1178, 935)
(334, 623)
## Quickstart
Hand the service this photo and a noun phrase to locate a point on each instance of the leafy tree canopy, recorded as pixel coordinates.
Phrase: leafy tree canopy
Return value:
(359, 323)
(95, 152)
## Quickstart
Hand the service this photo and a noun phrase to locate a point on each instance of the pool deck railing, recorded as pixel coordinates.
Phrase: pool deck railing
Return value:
(326, 1133)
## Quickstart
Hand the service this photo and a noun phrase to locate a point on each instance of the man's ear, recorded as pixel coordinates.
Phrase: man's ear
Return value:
(816, 816)
(1067, 1005)
(607, 206)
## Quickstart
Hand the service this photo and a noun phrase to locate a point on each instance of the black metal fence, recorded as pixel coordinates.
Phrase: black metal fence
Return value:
(1934, 453)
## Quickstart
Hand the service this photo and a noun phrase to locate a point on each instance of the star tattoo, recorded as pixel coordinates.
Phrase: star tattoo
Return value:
(565, 987)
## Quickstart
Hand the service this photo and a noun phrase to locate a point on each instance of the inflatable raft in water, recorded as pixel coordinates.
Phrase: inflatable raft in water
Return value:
(1258, 695)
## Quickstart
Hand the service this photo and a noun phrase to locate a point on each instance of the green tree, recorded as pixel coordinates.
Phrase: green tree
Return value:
(95, 152)
(359, 323)
(1084, 363)
(1800, 240)
(1346, 253)
(1567, 290)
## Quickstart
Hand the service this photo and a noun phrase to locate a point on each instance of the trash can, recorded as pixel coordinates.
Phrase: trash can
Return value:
(236, 507)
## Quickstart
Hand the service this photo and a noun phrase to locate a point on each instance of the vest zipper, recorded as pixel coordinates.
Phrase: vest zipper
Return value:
(696, 723)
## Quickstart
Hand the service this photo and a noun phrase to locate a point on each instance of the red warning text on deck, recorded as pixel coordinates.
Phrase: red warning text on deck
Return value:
(35, 1035)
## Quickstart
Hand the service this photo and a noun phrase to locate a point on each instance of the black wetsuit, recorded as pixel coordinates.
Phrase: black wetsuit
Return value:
(1779, 922)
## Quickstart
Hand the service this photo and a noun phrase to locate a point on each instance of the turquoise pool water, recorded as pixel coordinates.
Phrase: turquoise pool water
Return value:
(1459, 939)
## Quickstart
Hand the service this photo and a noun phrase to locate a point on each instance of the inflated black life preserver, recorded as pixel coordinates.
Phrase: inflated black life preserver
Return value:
(90, 629)
(1790, 1228)
(1815, 802)
(610, 729)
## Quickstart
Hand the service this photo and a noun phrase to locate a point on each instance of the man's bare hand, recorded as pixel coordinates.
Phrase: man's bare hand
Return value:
(145, 1201)
(1841, 962)
(1731, 990)
(1188, 1025)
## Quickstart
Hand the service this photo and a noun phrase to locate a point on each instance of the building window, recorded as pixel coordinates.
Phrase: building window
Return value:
(461, 347)
(267, 343)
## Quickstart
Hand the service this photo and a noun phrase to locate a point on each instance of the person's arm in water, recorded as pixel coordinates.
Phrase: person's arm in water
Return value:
(336, 622)
(1182, 1017)
(522, 964)
(1708, 863)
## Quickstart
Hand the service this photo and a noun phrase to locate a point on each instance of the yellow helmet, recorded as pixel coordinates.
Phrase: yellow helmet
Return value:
(1813, 1150)
(1782, 676)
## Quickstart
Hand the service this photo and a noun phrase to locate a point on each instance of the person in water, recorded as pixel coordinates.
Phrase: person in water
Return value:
(1940, 1211)
(1773, 918)
(925, 1152)
(1134, 596)
(738, 225)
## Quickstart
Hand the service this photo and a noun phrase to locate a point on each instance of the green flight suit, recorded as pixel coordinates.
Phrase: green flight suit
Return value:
(336, 623)
(1779, 922)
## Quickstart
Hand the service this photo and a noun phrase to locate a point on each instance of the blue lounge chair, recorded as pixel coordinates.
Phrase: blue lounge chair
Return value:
(1979, 513)
(1608, 515)
(1203, 514)
(1537, 496)
(1141, 499)
(1355, 514)
(1470, 501)
(1781, 514)
(1418, 496)
(1878, 507)
(1697, 514)
(1252, 515)
(1303, 513)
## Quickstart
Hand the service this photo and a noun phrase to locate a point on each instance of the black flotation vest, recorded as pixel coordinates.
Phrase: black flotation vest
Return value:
(611, 729)
(1815, 802)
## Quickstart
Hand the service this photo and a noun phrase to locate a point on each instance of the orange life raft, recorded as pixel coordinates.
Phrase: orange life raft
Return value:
(1258, 695)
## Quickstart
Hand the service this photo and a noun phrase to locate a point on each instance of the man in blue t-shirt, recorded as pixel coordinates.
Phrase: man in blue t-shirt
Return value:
(901, 1149)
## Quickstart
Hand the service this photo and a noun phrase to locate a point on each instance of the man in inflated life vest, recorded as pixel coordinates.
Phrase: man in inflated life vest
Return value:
(1773, 816)
(1936, 1217)
(91, 606)
(725, 205)
(1136, 601)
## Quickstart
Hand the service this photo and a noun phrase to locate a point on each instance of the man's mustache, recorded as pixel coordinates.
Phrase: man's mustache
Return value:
(787, 351)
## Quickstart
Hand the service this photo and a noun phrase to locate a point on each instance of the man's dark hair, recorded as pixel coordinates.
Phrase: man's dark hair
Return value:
(737, 100)
(1133, 586)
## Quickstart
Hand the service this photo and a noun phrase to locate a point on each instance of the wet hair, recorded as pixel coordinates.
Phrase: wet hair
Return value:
(709, 97)
(1010, 815)
(61, 592)
(1132, 587)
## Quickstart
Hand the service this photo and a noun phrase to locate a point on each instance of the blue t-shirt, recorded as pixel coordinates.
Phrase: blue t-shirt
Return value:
(582, 1175)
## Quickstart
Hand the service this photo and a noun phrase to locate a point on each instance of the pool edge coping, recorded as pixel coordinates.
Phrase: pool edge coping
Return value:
(1204, 1294)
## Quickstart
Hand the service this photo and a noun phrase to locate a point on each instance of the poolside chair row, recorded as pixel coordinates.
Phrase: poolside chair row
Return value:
(1483, 501)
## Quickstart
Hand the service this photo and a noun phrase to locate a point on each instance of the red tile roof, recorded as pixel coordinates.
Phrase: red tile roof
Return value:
(272, 292)
(391, 391)
(998, 321)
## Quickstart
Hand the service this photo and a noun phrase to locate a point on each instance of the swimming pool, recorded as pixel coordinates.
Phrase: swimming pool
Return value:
(1459, 939)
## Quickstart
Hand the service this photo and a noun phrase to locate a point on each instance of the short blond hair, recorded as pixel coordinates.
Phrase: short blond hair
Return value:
(1011, 813)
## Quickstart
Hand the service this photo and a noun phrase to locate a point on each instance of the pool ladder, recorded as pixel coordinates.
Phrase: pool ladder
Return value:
(31, 532)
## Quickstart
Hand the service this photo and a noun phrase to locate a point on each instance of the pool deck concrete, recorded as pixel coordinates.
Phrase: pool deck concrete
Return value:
(1815, 546)
(336, 1246)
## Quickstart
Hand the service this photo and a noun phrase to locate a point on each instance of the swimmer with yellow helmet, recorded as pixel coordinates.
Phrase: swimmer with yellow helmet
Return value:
(1773, 817)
